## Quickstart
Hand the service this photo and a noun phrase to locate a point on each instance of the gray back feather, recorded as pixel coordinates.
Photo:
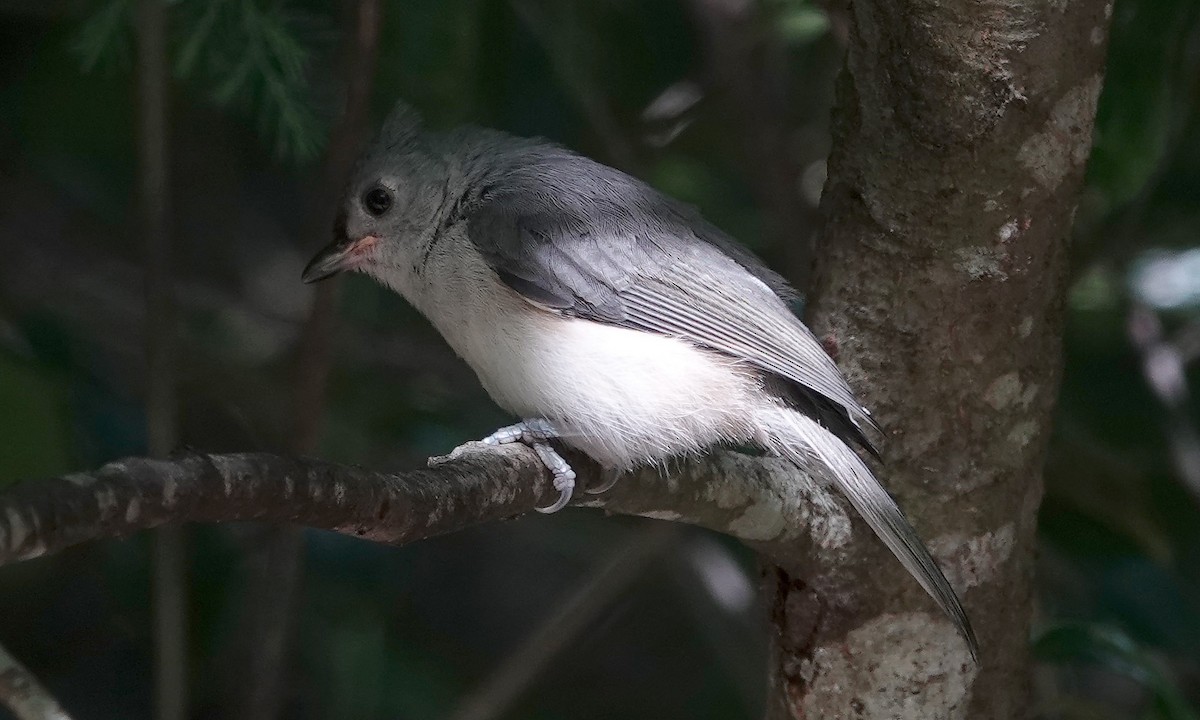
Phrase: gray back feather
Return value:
(589, 241)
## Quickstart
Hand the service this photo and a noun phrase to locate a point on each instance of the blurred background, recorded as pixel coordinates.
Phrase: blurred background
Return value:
(723, 103)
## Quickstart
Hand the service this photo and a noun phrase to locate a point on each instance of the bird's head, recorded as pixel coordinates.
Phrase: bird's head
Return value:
(389, 203)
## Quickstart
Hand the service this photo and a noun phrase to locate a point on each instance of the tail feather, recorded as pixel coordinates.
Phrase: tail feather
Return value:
(800, 438)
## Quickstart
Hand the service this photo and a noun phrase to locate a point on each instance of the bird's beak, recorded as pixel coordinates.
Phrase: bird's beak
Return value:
(338, 256)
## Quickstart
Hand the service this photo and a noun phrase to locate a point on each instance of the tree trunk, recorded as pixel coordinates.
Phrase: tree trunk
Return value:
(960, 138)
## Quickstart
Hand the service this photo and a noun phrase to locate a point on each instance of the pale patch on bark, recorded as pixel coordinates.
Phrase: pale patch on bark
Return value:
(763, 516)
(779, 508)
(1007, 391)
(828, 528)
(972, 561)
(133, 510)
(170, 489)
(227, 470)
(106, 503)
(80, 479)
(1008, 231)
(1003, 391)
(981, 263)
(1023, 433)
(910, 666)
(764, 520)
(16, 529)
(1030, 393)
(505, 492)
(36, 551)
(660, 514)
(1065, 139)
(725, 495)
(1025, 327)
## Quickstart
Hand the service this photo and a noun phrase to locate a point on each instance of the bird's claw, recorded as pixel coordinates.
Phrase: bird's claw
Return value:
(564, 476)
(535, 433)
(605, 486)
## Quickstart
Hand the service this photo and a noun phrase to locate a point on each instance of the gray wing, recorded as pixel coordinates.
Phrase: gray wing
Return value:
(588, 241)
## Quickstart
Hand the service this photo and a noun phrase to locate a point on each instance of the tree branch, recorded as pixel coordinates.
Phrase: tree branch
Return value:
(764, 502)
(21, 693)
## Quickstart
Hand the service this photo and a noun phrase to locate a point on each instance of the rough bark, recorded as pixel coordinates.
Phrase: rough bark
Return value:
(960, 139)
(762, 501)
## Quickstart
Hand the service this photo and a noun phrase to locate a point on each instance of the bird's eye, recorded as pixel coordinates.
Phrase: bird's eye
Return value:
(377, 200)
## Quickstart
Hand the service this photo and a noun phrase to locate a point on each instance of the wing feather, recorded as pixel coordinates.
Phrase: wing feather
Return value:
(569, 240)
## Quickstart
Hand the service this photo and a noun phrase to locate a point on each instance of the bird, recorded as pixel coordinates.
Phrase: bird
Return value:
(607, 316)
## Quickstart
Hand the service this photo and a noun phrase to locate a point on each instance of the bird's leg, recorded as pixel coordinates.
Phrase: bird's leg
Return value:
(527, 431)
(535, 433)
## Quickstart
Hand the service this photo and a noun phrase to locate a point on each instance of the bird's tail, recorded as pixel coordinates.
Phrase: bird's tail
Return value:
(806, 443)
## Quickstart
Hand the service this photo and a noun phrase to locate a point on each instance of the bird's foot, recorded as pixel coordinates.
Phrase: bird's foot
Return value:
(535, 433)
(537, 430)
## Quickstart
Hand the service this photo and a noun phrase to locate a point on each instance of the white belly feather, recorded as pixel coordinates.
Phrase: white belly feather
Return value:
(623, 396)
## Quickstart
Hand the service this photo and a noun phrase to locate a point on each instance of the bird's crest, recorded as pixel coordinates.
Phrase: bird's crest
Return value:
(402, 126)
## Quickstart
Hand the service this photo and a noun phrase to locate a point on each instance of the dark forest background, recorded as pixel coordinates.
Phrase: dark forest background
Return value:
(723, 103)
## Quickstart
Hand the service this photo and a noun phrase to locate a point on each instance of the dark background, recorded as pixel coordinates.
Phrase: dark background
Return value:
(732, 117)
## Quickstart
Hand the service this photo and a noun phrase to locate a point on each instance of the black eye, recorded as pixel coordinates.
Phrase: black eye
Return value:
(377, 200)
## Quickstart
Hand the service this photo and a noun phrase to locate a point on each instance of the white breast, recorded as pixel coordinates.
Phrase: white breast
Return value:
(623, 396)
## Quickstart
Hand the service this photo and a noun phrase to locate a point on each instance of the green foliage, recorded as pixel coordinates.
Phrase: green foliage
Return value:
(106, 36)
(1147, 95)
(1117, 652)
(35, 426)
(801, 22)
(254, 56)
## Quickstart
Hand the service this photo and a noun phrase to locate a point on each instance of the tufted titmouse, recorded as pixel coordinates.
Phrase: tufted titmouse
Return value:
(606, 315)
